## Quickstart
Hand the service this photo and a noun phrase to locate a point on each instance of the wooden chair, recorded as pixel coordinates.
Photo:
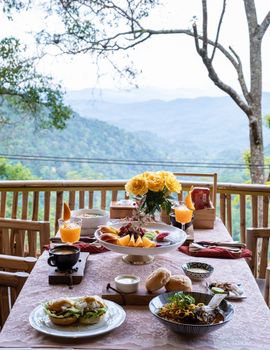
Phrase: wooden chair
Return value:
(13, 274)
(259, 260)
(19, 237)
(267, 287)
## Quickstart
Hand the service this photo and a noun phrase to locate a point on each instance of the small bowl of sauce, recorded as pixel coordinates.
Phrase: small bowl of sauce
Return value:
(127, 283)
(197, 271)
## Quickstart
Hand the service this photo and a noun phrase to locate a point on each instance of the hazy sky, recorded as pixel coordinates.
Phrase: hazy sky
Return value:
(168, 62)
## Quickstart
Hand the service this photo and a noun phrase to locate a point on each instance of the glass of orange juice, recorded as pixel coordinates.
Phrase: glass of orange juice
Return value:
(183, 215)
(70, 230)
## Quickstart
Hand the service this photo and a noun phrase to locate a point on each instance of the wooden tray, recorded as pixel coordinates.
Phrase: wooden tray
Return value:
(141, 297)
(57, 277)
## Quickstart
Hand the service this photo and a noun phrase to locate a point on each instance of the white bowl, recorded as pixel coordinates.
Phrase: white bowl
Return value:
(91, 218)
(176, 235)
(127, 283)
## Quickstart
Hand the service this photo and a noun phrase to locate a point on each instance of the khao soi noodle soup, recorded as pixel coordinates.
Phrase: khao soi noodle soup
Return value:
(183, 309)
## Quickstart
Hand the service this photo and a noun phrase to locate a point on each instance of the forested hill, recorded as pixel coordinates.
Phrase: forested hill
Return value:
(90, 138)
(83, 138)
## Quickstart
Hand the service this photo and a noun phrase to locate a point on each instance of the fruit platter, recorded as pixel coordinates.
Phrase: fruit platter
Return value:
(140, 242)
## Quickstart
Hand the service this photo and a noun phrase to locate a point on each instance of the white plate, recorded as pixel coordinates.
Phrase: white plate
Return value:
(114, 317)
(231, 295)
(176, 235)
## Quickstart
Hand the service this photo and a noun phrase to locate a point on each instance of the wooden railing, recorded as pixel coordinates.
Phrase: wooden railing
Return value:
(238, 205)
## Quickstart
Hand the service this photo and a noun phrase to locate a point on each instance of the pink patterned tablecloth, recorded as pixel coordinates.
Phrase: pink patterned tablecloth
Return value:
(249, 328)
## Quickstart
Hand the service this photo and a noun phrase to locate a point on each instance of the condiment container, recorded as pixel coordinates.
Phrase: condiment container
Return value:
(127, 283)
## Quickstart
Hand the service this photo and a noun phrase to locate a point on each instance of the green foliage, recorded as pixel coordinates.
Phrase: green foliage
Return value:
(27, 92)
(154, 201)
(8, 6)
(267, 120)
(17, 171)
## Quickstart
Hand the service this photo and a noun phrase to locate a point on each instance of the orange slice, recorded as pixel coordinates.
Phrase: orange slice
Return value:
(188, 200)
(67, 212)
(139, 242)
(131, 243)
(147, 243)
(124, 240)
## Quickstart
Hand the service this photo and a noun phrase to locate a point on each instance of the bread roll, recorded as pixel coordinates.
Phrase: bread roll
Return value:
(157, 279)
(92, 320)
(65, 321)
(179, 283)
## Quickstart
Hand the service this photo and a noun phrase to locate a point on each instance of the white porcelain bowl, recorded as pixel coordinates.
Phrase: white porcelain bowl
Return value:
(127, 283)
(91, 219)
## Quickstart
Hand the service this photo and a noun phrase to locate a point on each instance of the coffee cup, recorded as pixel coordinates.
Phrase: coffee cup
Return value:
(64, 257)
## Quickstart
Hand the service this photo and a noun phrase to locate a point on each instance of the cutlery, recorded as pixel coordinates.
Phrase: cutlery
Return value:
(232, 244)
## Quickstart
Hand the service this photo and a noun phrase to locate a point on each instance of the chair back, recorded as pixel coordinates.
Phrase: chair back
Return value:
(11, 283)
(20, 237)
(257, 240)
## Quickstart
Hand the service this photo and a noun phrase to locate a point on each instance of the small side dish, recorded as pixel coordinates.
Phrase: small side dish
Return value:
(91, 218)
(127, 283)
(197, 271)
(233, 290)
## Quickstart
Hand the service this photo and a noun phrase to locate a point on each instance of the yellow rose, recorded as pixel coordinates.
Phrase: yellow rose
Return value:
(137, 185)
(155, 182)
(164, 174)
(147, 174)
(172, 184)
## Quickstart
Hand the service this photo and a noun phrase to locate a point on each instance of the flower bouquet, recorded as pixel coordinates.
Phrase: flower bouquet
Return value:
(152, 191)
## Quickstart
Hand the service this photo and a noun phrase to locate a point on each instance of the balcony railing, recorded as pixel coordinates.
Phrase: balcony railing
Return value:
(238, 205)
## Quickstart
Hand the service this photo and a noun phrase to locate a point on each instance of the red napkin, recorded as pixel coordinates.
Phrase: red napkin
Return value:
(86, 248)
(216, 252)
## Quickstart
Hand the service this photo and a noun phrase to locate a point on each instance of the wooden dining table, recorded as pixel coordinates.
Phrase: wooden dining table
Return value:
(249, 328)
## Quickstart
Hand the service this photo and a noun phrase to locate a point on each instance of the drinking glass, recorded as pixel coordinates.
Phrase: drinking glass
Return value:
(183, 215)
(70, 231)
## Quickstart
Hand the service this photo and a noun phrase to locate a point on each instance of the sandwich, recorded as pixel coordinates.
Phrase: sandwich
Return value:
(92, 309)
(62, 311)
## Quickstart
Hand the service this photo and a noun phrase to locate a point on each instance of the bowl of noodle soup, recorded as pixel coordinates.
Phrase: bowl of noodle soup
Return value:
(183, 320)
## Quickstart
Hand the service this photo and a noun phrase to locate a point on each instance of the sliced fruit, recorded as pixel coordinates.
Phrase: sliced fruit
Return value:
(160, 237)
(67, 212)
(150, 234)
(217, 290)
(147, 243)
(124, 240)
(131, 242)
(188, 200)
(139, 242)
(109, 229)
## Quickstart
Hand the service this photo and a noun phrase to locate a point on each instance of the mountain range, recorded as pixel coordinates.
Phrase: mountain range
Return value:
(214, 124)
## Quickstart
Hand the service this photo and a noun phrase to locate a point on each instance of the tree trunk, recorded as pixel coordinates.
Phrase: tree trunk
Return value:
(255, 102)
(256, 151)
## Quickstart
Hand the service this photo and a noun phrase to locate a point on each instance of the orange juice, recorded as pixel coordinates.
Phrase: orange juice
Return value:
(70, 232)
(183, 214)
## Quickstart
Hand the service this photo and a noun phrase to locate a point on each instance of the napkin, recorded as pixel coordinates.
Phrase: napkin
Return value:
(213, 251)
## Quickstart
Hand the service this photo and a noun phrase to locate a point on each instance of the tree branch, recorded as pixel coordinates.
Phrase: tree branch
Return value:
(205, 38)
(224, 87)
(218, 29)
(241, 78)
(264, 26)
